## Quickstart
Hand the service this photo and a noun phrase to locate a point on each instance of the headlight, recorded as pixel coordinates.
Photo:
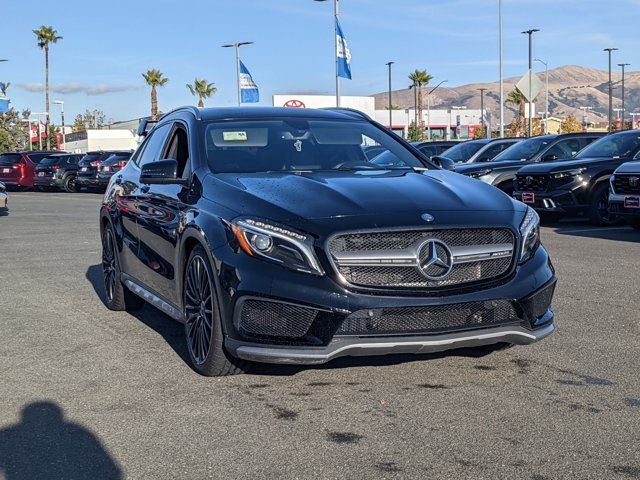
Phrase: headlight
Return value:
(480, 173)
(278, 244)
(530, 234)
(569, 173)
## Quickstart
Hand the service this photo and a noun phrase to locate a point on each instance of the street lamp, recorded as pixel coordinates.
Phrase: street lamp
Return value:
(530, 34)
(546, 107)
(64, 135)
(585, 118)
(622, 65)
(237, 46)
(500, 63)
(336, 14)
(453, 107)
(415, 103)
(482, 90)
(429, 108)
(390, 105)
(610, 116)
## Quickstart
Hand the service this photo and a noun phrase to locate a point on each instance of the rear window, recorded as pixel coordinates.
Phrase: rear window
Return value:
(90, 157)
(51, 161)
(37, 157)
(115, 159)
(10, 158)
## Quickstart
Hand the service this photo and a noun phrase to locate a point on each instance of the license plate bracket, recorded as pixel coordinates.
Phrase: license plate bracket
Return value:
(528, 197)
(632, 201)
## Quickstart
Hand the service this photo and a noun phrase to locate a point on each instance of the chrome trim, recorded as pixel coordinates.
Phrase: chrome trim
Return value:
(363, 346)
(155, 300)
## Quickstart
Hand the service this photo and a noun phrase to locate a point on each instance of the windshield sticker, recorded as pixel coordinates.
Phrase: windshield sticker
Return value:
(298, 145)
(234, 136)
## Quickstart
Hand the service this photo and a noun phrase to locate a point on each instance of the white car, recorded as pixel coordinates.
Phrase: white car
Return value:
(3, 198)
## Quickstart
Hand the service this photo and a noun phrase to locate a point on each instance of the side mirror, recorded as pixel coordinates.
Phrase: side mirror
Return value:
(145, 126)
(162, 172)
(443, 162)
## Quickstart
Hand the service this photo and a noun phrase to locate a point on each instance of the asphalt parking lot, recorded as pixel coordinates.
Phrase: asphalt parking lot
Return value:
(90, 393)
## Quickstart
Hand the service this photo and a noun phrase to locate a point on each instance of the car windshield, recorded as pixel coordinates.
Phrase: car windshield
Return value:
(620, 145)
(463, 151)
(50, 161)
(524, 150)
(10, 158)
(299, 144)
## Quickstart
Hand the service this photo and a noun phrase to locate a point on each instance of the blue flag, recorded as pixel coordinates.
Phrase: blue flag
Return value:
(343, 54)
(4, 105)
(248, 88)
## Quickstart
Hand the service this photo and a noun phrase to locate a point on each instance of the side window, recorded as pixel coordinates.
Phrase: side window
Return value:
(153, 145)
(178, 149)
(490, 152)
(562, 150)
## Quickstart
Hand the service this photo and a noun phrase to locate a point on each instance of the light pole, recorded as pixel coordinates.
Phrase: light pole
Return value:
(237, 46)
(457, 109)
(500, 63)
(623, 65)
(585, 118)
(336, 15)
(482, 90)
(390, 104)
(415, 103)
(610, 115)
(64, 135)
(429, 108)
(546, 106)
(530, 33)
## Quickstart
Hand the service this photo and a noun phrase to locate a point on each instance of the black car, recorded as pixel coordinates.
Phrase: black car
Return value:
(273, 238)
(90, 165)
(112, 165)
(434, 148)
(501, 171)
(624, 197)
(57, 172)
(492, 148)
(463, 151)
(581, 185)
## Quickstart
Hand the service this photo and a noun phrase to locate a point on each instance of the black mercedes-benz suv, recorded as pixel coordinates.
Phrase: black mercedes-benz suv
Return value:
(501, 170)
(624, 197)
(273, 238)
(581, 185)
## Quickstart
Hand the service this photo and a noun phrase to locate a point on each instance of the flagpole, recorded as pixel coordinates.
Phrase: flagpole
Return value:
(336, 13)
(238, 74)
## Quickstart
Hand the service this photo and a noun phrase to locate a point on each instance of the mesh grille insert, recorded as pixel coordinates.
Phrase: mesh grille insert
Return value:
(275, 319)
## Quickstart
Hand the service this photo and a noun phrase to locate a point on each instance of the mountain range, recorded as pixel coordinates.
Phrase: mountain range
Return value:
(570, 87)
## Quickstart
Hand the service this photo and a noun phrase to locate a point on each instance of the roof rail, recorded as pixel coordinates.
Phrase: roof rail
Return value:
(189, 108)
(352, 112)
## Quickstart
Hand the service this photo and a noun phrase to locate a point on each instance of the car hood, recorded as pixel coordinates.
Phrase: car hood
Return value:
(552, 167)
(629, 167)
(363, 199)
(490, 165)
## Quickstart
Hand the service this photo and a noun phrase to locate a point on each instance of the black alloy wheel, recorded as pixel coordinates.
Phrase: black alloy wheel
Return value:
(109, 265)
(199, 309)
(70, 184)
(599, 207)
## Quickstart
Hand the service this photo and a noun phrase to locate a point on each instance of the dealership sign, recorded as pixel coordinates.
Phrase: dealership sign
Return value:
(293, 103)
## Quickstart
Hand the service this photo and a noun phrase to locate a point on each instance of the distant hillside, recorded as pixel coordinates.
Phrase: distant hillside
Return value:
(570, 87)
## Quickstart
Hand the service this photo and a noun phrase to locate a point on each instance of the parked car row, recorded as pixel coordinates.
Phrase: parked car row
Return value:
(70, 172)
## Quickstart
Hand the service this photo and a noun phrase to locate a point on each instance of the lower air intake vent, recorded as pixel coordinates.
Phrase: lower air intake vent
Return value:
(275, 319)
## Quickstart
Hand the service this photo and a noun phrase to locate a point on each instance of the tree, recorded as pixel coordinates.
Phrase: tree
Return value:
(414, 133)
(420, 78)
(570, 124)
(393, 107)
(89, 119)
(46, 35)
(13, 130)
(202, 90)
(4, 87)
(480, 132)
(517, 99)
(154, 78)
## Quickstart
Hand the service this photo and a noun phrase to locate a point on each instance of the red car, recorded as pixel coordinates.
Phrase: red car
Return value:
(17, 169)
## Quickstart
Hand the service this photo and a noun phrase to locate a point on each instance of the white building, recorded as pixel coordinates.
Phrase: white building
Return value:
(90, 140)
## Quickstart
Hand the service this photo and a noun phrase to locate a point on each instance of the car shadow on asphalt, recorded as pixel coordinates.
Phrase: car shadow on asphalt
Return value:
(620, 233)
(173, 334)
(45, 444)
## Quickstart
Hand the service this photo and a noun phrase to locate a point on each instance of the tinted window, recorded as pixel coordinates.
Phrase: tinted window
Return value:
(116, 158)
(37, 157)
(619, 145)
(463, 151)
(51, 161)
(430, 150)
(294, 144)
(153, 145)
(90, 157)
(524, 150)
(563, 150)
(492, 150)
(10, 158)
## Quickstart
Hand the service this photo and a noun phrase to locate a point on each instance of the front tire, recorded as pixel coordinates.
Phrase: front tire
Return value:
(117, 296)
(598, 211)
(203, 327)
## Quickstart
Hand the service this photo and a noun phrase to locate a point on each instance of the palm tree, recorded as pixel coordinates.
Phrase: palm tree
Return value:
(46, 35)
(517, 98)
(420, 78)
(154, 78)
(4, 87)
(202, 89)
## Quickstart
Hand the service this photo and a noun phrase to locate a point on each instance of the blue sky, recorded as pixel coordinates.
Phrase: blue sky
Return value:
(108, 44)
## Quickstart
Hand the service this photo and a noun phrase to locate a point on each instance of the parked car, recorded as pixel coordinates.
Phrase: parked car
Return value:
(17, 169)
(57, 172)
(110, 166)
(492, 148)
(501, 171)
(581, 185)
(463, 151)
(624, 198)
(273, 238)
(435, 147)
(89, 167)
(4, 201)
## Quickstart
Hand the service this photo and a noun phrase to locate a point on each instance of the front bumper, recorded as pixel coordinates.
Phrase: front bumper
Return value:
(556, 201)
(617, 207)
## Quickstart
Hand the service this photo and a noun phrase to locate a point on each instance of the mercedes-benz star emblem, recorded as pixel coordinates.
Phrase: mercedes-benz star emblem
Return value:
(634, 181)
(435, 260)
(529, 180)
(427, 217)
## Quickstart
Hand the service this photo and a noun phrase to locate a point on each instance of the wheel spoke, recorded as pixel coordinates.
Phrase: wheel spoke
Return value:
(198, 301)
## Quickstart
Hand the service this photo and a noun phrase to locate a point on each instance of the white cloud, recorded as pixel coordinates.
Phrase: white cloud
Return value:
(77, 87)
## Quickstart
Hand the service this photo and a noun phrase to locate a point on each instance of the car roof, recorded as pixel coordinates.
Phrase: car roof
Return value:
(238, 113)
(581, 134)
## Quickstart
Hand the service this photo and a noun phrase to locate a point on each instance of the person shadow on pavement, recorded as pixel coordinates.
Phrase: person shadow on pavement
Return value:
(44, 445)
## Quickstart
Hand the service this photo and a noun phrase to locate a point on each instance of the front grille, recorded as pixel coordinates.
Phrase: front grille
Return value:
(409, 275)
(627, 184)
(431, 319)
(532, 183)
(275, 319)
